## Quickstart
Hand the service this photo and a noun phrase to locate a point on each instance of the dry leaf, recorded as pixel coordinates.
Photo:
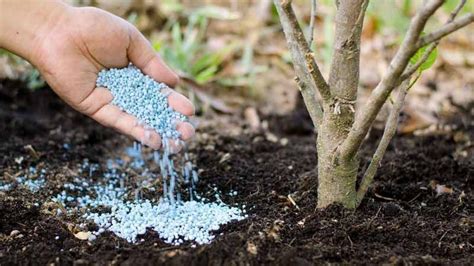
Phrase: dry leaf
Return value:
(251, 248)
(273, 232)
(416, 120)
(82, 235)
(442, 189)
(19, 160)
(225, 158)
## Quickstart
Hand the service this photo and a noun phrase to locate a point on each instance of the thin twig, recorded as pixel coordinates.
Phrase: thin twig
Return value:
(392, 121)
(457, 10)
(373, 218)
(312, 22)
(445, 30)
(442, 237)
(303, 47)
(389, 132)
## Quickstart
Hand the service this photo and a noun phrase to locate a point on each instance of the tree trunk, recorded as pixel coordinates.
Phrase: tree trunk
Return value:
(336, 178)
(340, 133)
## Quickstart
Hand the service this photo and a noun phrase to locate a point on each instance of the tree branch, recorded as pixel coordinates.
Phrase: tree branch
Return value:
(393, 119)
(457, 10)
(389, 132)
(312, 23)
(413, 68)
(305, 66)
(311, 105)
(391, 79)
(445, 30)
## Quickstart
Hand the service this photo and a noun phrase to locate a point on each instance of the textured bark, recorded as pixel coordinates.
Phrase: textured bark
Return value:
(336, 177)
(308, 75)
(341, 130)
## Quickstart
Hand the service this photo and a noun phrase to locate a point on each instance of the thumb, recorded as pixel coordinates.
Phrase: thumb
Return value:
(142, 55)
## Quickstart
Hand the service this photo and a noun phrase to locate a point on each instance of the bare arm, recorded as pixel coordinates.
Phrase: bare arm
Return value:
(70, 45)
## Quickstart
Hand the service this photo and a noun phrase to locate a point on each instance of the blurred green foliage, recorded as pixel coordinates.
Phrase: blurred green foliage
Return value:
(394, 16)
(186, 50)
(31, 76)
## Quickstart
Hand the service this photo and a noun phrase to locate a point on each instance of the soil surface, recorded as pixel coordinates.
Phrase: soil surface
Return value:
(419, 210)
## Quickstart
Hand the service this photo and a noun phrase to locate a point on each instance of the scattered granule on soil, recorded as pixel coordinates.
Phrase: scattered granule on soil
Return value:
(107, 203)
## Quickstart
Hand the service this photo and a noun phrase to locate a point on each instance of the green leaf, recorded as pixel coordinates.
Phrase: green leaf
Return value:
(205, 61)
(176, 35)
(429, 61)
(406, 8)
(206, 75)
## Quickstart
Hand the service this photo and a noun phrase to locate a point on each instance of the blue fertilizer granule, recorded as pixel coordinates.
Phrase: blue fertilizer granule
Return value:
(32, 180)
(174, 223)
(142, 97)
(129, 216)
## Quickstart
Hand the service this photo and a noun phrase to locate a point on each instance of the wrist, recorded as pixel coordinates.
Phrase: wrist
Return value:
(25, 24)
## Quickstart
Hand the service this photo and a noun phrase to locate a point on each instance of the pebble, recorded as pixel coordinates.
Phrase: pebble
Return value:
(14, 232)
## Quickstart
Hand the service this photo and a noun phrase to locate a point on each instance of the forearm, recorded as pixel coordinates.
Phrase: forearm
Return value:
(24, 24)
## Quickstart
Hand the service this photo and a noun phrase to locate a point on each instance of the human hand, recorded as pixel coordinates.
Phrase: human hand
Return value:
(80, 42)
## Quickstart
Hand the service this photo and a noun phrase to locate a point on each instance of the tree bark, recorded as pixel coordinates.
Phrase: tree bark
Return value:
(336, 177)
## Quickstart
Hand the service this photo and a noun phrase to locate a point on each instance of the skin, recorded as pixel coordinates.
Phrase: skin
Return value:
(70, 45)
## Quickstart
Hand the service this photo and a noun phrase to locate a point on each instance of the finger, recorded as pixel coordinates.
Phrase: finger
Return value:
(174, 146)
(111, 116)
(147, 136)
(141, 54)
(98, 98)
(186, 130)
(180, 103)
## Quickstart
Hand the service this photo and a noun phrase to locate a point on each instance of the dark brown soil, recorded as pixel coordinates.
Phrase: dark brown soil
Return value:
(402, 220)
